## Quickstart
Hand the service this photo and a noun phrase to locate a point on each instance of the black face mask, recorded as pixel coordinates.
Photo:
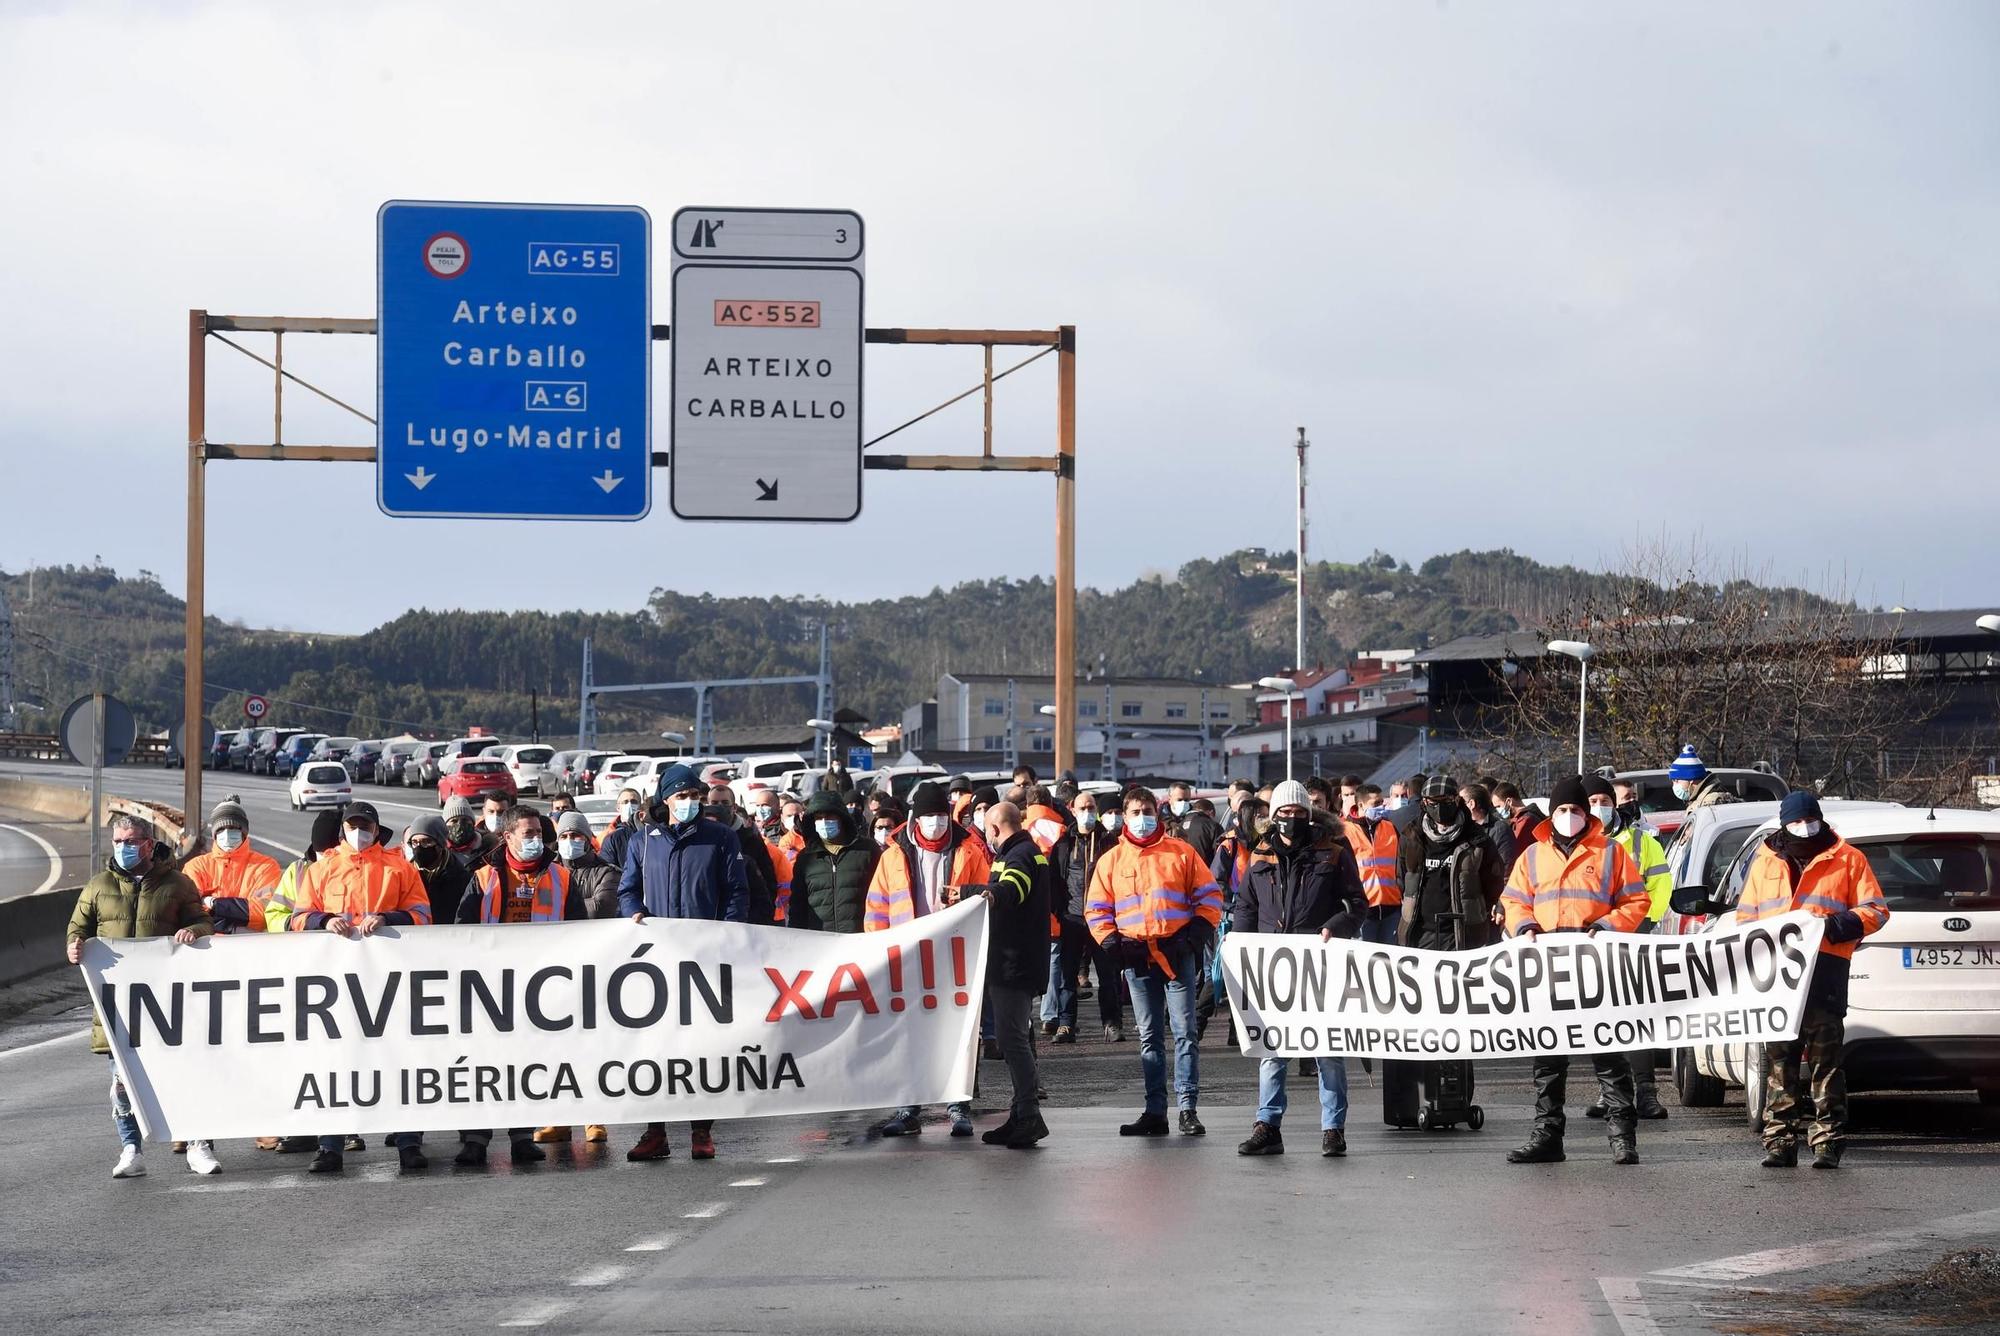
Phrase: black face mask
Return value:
(426, 857)
(1443, 812)
(1295, 830)
(459, 831)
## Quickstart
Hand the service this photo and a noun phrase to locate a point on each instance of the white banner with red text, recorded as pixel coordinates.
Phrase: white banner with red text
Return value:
(1549, 994)
(611, 1021)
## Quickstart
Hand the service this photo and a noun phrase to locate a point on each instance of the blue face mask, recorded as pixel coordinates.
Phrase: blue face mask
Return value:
(1085, 820)
(828, 828)
(1111, 822)
(1143, 824)
(531, 848)
(685, 809)
(126, 856)
(1375, 813)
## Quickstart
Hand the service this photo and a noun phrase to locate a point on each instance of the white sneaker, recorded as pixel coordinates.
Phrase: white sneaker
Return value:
(131, 1164)
(201, 1158)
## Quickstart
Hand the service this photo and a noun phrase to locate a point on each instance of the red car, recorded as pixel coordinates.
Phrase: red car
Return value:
(473, 779)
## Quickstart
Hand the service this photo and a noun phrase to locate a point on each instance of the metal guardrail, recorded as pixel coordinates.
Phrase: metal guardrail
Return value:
(48, 747)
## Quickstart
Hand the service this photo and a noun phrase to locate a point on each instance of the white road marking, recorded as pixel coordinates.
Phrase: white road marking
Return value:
(749, 1182)
(539, 1315)
(706, 1211)
(1628, 1307)
(281, 848)
(71, 1037)
(784, 1159)
(603, 1275)
(48, 851)
(658, 1243)
(1829, 1252)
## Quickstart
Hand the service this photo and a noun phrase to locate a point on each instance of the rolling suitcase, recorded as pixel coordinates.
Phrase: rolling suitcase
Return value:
(1448, 1097)
(1402, 1093)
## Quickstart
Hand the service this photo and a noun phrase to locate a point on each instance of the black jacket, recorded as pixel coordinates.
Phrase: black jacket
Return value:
(597, 882)
(1478, 874)
(757, 867)
(1311, 890)
(1073, 859)
(1021, 890)
(1199, 831)
(829, 892)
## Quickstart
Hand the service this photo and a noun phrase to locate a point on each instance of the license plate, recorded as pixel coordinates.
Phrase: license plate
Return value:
(1950, 957)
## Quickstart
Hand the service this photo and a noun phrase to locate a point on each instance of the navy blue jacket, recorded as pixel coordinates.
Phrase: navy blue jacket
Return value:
(693, 871)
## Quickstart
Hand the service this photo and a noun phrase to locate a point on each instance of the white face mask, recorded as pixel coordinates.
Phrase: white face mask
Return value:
(1179, 806)
(932, 827)
(573, 848)
(493, 822)
(791, 821)
(358, 840)
(229, 840)
(628, 811)
(1603, 814)
(1569, 824)
(1085, 820)
(1111, 821)
(1804, 830)
(1396, 804)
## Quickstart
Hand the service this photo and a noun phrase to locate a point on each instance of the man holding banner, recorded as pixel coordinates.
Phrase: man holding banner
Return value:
(1303, 880)
(1572, 879)
(1805, 865)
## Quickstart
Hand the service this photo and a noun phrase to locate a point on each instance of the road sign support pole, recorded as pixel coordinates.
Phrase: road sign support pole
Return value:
(1065, 655)
(97, 785)
(197, 547)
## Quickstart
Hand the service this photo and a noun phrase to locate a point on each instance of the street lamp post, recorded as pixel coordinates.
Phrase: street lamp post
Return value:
(1581, 651)
(678, 739)
(824, 727)
(1291, 689)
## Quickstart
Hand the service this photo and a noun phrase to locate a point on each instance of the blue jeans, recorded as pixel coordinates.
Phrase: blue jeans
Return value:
(121, 1109)
(1332, 1092)
(1051, 1005)
(1381, 930)
(1157, 999)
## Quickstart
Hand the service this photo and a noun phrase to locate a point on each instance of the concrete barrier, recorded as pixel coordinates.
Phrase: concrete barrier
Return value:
(58, 802)
(32, 931)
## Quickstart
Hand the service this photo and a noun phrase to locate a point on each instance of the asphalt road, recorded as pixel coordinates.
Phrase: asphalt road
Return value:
(35, 852)
(816, 1225)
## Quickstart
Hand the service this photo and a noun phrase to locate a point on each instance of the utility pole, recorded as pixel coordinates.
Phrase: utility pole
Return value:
(534, 716)
(7, 720)
(586, 710)
(1299, 657)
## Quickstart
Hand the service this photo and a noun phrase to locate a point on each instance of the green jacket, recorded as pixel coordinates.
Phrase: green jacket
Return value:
(830, 892)
(116, 904)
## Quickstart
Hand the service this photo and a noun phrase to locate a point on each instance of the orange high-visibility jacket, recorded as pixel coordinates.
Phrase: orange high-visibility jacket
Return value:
(241, 874)
(1150, 892)
(373, 881)
(1598, 881)
(791, 844)
(549, 888)
(1375, 857)
(891, 899)
(1833, 883)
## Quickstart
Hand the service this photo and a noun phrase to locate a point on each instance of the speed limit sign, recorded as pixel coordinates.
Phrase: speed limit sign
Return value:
(255, 707)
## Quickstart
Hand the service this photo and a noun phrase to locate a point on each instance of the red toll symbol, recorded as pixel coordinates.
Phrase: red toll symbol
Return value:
(958, 970)
(896, 1002)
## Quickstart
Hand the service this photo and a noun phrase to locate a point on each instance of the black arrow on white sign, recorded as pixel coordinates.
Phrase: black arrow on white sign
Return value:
(767, 491)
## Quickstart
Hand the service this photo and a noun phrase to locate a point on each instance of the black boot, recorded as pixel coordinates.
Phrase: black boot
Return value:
(527, 1152)
(1649, 1103)
(1624, 1150)
(1027, 1132)
(1781, 1157)
(1540, 1148)
(413, 1158)
(1191, 1125)
(471, 1155)
(1827, 1156)
(997, 1136)
(1264, 1139)
(326, 1162)
(1594, 1109)
(1148, 1125)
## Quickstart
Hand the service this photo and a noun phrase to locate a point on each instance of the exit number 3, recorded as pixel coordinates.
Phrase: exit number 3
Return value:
(770, 315)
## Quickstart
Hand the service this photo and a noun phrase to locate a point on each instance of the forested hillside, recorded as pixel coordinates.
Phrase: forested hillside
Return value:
(1226, 619)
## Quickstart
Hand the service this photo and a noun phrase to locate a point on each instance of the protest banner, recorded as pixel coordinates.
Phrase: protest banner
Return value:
(440, 1028)
(1572, 992)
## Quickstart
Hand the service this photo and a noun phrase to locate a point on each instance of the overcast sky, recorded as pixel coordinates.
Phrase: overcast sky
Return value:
(1543, 276)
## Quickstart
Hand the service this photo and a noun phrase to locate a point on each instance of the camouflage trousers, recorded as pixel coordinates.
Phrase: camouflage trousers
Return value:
(1805, 1074)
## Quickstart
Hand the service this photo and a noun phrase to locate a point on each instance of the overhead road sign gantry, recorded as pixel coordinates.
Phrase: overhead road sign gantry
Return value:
(767, 350)
(514, 361)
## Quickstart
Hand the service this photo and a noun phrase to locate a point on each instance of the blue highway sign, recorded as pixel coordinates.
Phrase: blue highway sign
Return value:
(514, 361)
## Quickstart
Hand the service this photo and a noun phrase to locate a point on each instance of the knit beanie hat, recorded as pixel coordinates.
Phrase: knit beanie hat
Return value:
(930, 800)
(1568, 792)
(1687, 765)
(229, 812)
(1291, 793)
